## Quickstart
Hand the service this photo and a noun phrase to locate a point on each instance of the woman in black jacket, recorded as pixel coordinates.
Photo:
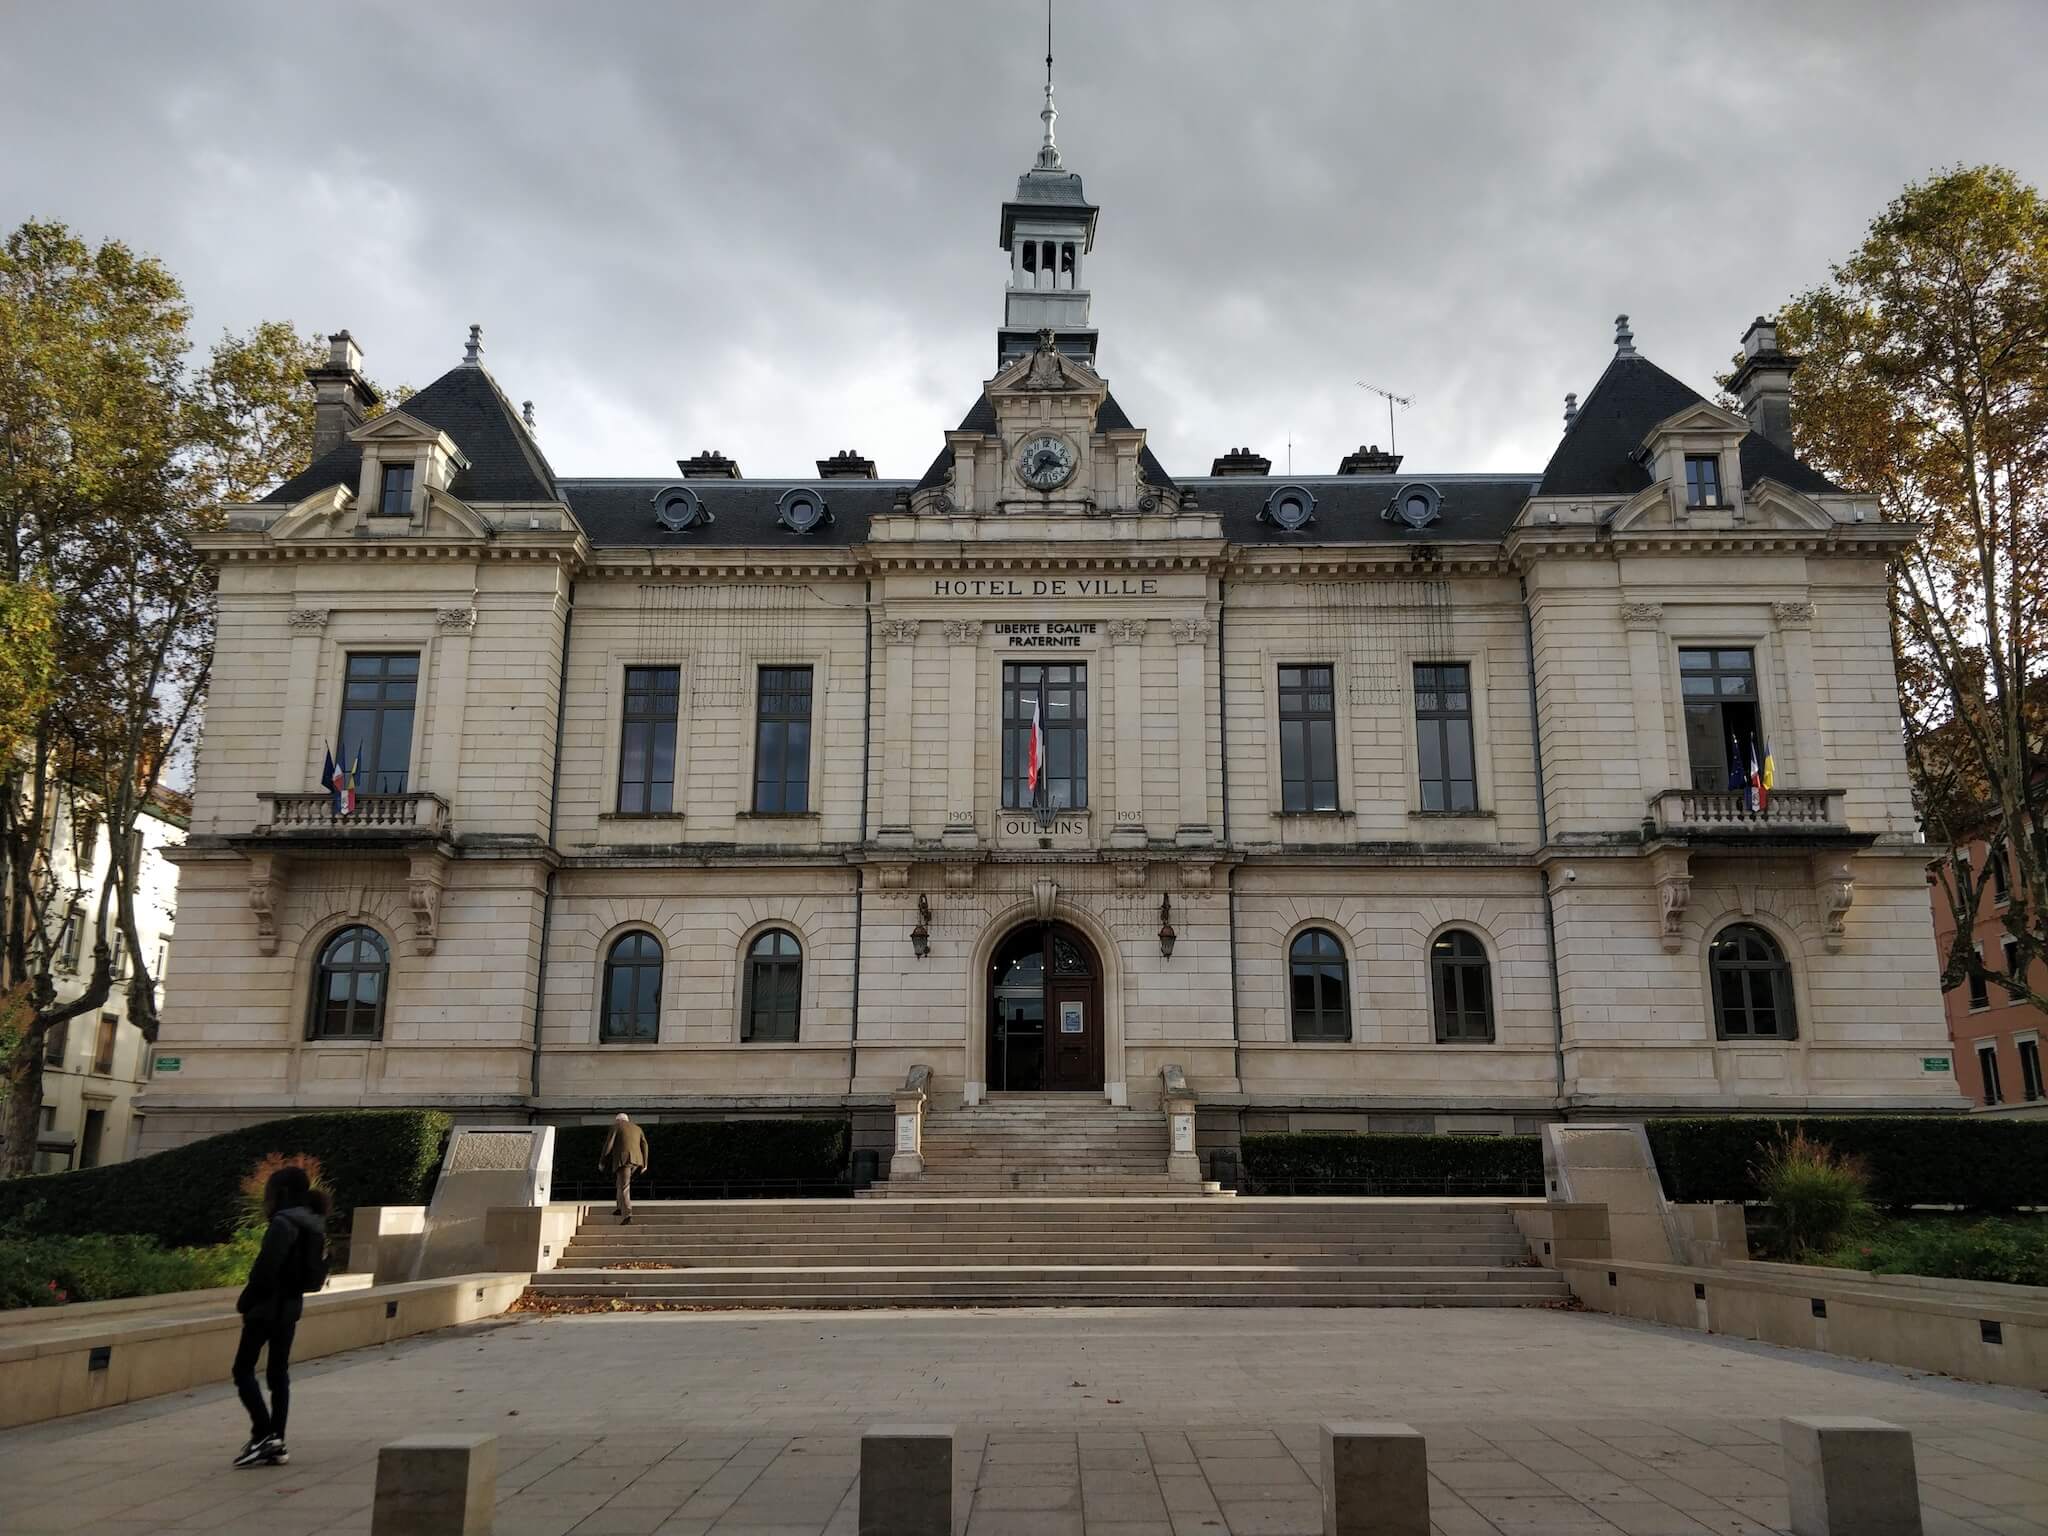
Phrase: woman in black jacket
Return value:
(293, 1261)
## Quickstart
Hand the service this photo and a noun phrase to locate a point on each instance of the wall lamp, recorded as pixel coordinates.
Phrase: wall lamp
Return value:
(1166, 934)
(921, 935)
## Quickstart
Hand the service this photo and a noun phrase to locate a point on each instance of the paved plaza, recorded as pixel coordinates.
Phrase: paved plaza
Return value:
(1147, 1423)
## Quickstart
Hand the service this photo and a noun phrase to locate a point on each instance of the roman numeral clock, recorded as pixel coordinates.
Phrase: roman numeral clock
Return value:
(1045, 462)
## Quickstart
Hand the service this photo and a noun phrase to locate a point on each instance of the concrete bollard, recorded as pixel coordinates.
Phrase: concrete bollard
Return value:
(436, 1485)
(1847, 1475)
(1375, 1480)
(906, 1480)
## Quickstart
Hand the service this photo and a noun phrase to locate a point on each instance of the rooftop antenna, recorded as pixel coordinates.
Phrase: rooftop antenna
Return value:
(1392, 399)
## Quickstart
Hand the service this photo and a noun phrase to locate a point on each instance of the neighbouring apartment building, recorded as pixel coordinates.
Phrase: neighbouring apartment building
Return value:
(95, 1064)
(1371, 798)
(1996, 1037)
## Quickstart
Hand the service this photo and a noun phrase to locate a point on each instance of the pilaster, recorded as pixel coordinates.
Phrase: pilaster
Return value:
(443, 768)
(308, 626)
(1645, 625)
(899, 718)
(963, 639)
(1127, 642)
(1191, 643)
(1795, 640)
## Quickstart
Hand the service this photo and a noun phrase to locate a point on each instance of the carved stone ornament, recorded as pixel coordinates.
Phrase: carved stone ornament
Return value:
(960, 877)
(1189, 631)
(1642, 615)
(1125, 631)
(1197, 875)
(1793, 615)
(1045, 896)
(308, 621)
(1835, 888)
(266, 892)
(963, 631)
(460, 619)
(1673, 870)
(423, 894)
(897, 631)
(1045, 371)
(893, 877)
(1130, 874)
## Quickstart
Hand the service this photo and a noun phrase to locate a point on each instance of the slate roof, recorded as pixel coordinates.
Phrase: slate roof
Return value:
(505, 463)
(1348, 507)
(743, 512)
(1632, 396)
(981, 417)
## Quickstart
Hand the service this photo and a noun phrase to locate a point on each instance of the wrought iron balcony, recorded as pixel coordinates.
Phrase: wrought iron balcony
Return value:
(1786, 812)
(409, 817)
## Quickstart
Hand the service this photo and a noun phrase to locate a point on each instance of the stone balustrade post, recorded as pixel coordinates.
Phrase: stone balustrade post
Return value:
(436, 1485)
(906, 1480)
(1375, 1480)
(907, 1159)
(1845, 1475)
(1183, 1166)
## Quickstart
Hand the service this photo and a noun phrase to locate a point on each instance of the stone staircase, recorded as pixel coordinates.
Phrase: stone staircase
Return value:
(1040, 1144)
(1147, 1251)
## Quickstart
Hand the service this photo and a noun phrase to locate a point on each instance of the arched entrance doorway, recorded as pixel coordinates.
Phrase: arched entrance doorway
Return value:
(1045, 1012)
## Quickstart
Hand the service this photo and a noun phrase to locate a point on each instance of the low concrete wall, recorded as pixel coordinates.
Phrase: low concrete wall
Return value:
(384, 1241)
(1564, 1230)
(1712, 1234)
(1952, 1327)
(531, 1237)
(47, 1369)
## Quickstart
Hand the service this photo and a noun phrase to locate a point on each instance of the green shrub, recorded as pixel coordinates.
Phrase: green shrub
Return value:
(1978, 1164)
(192, 1194)
(45, 1271)
(1337, 1162)
(1817, 1196)
(711, 1156)
(2009, 1252)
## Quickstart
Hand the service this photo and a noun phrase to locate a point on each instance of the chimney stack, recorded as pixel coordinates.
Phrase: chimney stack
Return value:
(1764, 383)
(526, 417)
(1369, 461)
(1242, 461)
(709, 465)
(342, 397)
(1571, 411)
(846, 464)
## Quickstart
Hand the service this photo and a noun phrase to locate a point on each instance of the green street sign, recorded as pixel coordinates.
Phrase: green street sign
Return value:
(1933, 1063)
(169, 1063)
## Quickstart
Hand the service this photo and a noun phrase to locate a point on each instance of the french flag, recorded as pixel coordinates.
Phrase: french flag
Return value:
(1034, 763)
(340, 783)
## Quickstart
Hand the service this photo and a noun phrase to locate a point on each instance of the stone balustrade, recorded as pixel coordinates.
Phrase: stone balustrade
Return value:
(412, 813)
(1728, 810)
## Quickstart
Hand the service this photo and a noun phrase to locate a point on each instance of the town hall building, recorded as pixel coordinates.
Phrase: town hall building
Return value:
(1371, 799)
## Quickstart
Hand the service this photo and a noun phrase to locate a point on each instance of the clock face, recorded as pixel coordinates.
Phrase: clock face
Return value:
(1045, 462)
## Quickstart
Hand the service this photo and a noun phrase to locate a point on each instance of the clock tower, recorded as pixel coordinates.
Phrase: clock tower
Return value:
(1048, 230)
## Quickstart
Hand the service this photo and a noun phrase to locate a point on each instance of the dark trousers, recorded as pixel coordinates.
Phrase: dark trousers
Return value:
(257, 1334)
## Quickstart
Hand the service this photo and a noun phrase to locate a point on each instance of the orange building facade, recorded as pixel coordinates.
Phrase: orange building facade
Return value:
(1997, 1040)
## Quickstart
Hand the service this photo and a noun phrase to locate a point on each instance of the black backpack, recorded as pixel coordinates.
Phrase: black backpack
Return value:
(310, 1256)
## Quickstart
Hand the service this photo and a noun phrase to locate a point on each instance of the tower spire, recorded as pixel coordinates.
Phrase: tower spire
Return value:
(1048, 152)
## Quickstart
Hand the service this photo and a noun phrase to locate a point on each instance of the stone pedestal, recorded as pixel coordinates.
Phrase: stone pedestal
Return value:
(436, 1485)
(485, 1167)
(1182, 1165)
(1847, 1475)
(1375, 1480)
(906, 1480)
(906, 1161)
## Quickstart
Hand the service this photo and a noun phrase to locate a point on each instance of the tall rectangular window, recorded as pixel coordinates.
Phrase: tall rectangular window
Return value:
(55, 1043)
(1703, 480)
(1721, 720)
(376, 718)
(1987, 1070)
(1443, 736)
(1308, 739)
(2030, 1069)
(103, 1048)
(2001, 874)
(1059, 695)
(647, 745)
(71, 939)
(782, 742)
(1980, 990)
(396, 500)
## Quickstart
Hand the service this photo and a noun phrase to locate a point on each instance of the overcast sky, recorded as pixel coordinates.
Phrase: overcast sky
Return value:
(771, 227)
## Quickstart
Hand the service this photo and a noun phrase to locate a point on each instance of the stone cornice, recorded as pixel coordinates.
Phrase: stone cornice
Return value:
(1187, 555)
(571, 549)
(731, 563)
(1324, 562)
(1866, 539)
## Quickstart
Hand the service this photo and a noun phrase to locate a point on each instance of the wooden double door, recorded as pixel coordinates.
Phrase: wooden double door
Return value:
(1045, 1012)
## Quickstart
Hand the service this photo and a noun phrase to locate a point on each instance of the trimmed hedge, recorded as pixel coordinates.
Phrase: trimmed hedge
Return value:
(1338, 1162)
(1967, 1161)
(735, 1153)
(190, 1195)
(49, 1271)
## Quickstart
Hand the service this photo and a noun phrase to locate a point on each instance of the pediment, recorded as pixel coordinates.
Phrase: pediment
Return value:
(335, 513)
(1648, 510)
(398, 427)
(327, 513)
(1047, 371)
(1773, 504)
(1701, 416)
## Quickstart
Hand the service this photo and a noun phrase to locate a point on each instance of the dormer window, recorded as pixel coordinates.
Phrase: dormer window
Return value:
(1703, 480)
(396, 500)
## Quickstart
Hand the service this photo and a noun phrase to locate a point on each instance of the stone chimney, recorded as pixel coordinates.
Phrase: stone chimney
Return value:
(846, 465)
(1369, 461)
(342, 397)
(1764, 383)
(709, 465)
(1242, 461)
(1571, 411)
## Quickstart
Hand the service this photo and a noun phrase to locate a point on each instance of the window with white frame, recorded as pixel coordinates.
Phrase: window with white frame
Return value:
(1987, 1072)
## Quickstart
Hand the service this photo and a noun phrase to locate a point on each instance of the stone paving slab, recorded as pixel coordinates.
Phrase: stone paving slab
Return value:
(1143, 1423)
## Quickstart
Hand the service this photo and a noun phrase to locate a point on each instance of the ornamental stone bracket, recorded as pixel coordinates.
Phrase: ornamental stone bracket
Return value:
(1834, 886)
(1125, 631)
(958, 631)
(307, 621)
(1671, 868)
(1190, 631)
(458, 620)
(1642, 615)
(1045, 898)
(960, 876)
(1793, 615)
(896, 631)
(266, 893)
(425, 880)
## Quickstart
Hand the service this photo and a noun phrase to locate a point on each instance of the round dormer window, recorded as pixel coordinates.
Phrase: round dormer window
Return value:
(1291, 507)
(1417, 505)
(802, 510)
(677, 508)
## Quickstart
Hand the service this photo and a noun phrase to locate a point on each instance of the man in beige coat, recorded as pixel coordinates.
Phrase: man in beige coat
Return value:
(625, 1154)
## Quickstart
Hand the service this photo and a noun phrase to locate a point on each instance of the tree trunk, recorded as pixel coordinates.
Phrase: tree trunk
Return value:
(24, 1108)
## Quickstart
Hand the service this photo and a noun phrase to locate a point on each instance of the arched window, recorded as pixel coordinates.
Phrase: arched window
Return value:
(349, 986)
(1461, 987)
(632, 989)
(1320, 986)
(1752, 985)
(775, 987)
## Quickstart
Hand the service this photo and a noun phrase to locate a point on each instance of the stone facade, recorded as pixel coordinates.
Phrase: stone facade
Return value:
(1588, 863)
